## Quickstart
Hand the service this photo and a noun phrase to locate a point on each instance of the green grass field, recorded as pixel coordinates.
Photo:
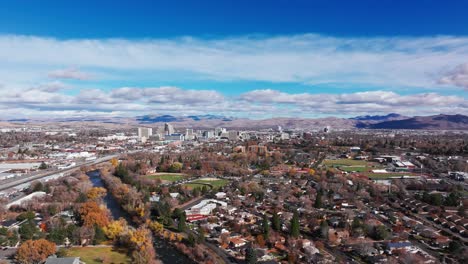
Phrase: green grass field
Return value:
(215, 183)
(200, 183)
(96, 255)
(344, 162)
(170, 177)
(354, 168)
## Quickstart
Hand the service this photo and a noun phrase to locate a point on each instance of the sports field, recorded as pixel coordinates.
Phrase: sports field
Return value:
(344, 162)
(216, 183)
(167, 177)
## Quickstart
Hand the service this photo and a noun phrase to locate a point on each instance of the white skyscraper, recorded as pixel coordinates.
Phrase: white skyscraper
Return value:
(145, 132)
(189, 135)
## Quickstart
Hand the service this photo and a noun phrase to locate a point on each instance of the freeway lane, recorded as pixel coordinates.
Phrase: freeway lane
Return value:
(43, 175)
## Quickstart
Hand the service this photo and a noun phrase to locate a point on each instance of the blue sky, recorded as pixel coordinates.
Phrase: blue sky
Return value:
(238, 58)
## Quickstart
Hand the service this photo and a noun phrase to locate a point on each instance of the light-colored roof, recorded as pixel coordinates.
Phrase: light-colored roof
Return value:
(72, 260)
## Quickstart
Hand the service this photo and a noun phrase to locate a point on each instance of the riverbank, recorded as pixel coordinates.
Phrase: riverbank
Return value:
(167, 253)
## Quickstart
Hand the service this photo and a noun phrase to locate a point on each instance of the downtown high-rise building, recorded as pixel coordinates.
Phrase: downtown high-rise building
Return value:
(168, 129)
(145, 132)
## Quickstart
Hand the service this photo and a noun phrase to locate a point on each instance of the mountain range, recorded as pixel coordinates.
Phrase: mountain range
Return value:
(389, 121)
(389, 117)
(437, 122)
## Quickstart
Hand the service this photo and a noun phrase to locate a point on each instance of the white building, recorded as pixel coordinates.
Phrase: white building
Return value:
(220, 195)
(174, 137)
(219, 131)
(145, 132)
(205, 207)
(208, 134)
(189, 135)
(284, 136)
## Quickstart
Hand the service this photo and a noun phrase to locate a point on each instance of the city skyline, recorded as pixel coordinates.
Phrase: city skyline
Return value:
(257, 61)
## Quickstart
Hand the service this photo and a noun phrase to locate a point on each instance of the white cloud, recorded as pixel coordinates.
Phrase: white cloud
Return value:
(309, 58)
(54, 86)
(168, 94)
(125, 100)
(130, 101)
(69, 73)
(458, 76)
(361, 102)
(386, 65)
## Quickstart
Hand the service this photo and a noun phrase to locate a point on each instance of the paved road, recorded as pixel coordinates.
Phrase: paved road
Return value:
(43, 175)
(7, 254)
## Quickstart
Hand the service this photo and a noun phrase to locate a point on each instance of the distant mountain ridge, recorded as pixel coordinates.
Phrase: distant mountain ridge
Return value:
(390, 121)
(391, 116)
(437, 122)
(149, 119)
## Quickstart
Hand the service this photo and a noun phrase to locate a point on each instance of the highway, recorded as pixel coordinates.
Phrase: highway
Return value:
(27, 179)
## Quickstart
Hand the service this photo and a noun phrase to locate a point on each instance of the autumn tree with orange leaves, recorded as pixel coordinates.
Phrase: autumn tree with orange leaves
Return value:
(92, 214)
(114, 162)
(35, 251)
(96, 193)
(116, 228)
(142, 244)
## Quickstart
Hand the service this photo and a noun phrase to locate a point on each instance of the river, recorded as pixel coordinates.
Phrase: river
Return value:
(167, 253)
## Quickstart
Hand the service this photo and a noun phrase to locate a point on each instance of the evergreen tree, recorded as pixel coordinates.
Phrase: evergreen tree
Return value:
(250, 255)
(177, 213)
(196, 192)
(380, 233)
(265, 227)
(324, 229)
(43, 166)
(276, 222)
(191, 240)
(28, 230)
(99, 235)
(121, 171)
(204, 190)
(57, 235)
(453, 199)
(318, 199)
(356, 223)
(201, 236)
(295, 227)
(181, 226)
(198, 165)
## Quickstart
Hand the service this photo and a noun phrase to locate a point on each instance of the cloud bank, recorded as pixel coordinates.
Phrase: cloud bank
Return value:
(401, 74)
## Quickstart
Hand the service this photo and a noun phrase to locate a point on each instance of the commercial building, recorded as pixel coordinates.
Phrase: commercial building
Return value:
(145, 132)
(208, 134)
(174, 137)
(189, 135)
(168, 129)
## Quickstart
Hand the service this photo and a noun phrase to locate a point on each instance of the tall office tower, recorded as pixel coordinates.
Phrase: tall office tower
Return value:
(145, 132)
(208, 134)
(219, 131)
(168, 129)
(189, 135)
